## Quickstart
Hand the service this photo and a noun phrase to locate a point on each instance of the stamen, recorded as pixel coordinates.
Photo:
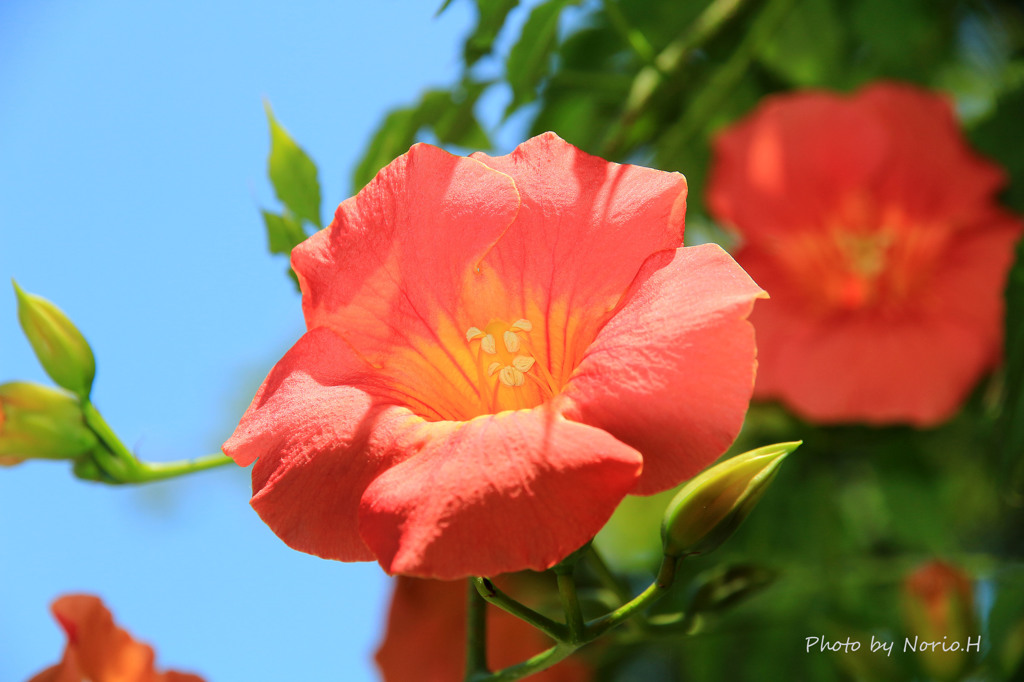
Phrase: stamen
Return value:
(510, 376)
(523, 362)
(488, 345)
(494, 367)
(473, 333)
(511, 341)
(522, 325)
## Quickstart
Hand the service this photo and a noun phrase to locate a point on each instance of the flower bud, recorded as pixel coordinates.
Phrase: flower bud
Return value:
(713, 504)
(41, 422)
(62, 350)
(938, 607)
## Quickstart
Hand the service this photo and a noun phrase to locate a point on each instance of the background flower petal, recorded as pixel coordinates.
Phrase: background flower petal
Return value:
(99, 650)
(915, 367)
(672, 372)
(785, 167)
(511, 491)
(929, 170)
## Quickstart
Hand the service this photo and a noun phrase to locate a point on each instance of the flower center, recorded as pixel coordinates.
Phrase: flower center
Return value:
(506, 367)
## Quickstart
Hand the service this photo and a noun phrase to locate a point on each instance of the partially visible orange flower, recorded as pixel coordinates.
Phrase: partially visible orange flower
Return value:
(426, 635)
(938, 606)
(874, 228)
(98, 650)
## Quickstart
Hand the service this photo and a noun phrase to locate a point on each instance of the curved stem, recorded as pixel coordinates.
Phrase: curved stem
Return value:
(607, 577)
(571, 605)
(530, 666)
(122, 466)
(489, 591)
(656, 590)
(476, 634)
(158, 471)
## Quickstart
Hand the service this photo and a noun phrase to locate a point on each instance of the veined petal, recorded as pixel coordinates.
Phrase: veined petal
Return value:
(388, 274)
(309, 431)
(680, 353)
(584, 229)
(529, 485)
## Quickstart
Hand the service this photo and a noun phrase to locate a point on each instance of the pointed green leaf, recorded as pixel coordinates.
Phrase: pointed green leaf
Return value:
(491, 16)
(1012, 418)
(293, 174)
(393, 138)
(284, 232)
(450, 115)
(530, 58)
(809, 46)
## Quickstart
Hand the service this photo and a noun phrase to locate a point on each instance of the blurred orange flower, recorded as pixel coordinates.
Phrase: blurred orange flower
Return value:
(874, 228)
(426, 635)
(98, 650)
(938, 606)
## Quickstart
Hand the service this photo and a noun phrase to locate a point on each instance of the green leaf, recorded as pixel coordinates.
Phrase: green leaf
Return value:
(284, 232)
(293, 174)
(999, 137)
(491, 16)
(808, 48)
(449, 114)
(530, 58)
(1012, 418)
(442, 8)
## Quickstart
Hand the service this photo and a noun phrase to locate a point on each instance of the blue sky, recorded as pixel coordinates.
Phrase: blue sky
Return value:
(134, 144)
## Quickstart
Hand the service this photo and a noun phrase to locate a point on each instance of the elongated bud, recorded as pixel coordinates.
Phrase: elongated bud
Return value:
(62, 350)
(713, 504)
(938, 606)
(41, 422)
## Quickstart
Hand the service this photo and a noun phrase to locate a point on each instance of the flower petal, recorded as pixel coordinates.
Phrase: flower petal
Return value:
(310, 432)
(99, 650)
(784, 167)
(929, 171)
(584, 229)
(916, 368)
(498, 493)
(389, 272)
(681, 355)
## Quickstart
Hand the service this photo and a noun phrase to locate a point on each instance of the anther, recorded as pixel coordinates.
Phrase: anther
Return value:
(510, 376)
(511, 341)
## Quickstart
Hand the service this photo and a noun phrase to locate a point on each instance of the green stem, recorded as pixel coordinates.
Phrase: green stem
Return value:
(159, 471)
(635, 38)
(476, 635)
(656, 590)
(607, 577)
(669, 62)
(571, 604)
(95, 421)
(122, 466)
(726, 78)
(530, 666)
(488, 591)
